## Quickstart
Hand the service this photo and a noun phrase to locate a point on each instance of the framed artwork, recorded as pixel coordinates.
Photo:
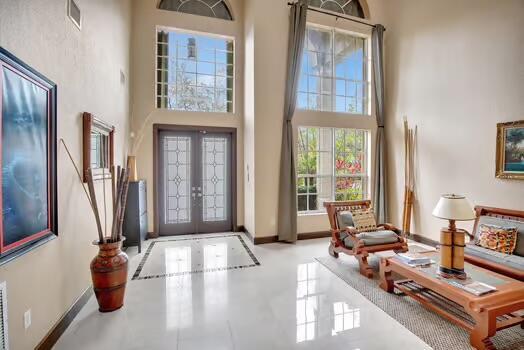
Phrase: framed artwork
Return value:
(98, 152)
(510, 150)
(27, 156)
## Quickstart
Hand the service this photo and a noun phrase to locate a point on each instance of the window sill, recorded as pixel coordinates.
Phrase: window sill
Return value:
(314, 213)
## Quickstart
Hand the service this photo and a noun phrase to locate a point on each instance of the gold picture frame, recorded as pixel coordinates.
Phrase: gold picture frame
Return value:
(510, 143)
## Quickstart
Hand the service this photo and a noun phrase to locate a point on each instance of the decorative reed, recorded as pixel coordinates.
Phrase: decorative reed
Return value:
(409, 175)
(119, 199)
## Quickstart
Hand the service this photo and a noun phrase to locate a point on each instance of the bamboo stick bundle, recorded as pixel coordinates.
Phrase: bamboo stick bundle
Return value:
(124, 202)
(409, 175)
(90, 185)
(116, 216)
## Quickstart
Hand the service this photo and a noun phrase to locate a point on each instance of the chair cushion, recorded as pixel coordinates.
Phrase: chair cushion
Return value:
(373, 238)
(364, 220)
(490, 220)
(513, 261)
(498, 238)
(344, 219)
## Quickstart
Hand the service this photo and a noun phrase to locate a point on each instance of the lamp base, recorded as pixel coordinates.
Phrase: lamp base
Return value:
(452, 273)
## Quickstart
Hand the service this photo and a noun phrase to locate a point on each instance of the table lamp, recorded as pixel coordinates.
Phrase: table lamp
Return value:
(453, 207)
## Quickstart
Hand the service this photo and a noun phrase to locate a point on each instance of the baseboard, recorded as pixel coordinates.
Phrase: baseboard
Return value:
(423, 240)
(300, 237)
(152, 235)
(61, 325)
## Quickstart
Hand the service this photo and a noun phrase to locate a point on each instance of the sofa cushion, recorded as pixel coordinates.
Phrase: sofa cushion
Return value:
(490, 220)
(498, 238)
(373, 238)
(344, 219)
(513, 261)
(364, 220)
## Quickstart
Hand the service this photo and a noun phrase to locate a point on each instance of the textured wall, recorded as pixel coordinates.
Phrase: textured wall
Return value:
(86, 67)
(455, 69)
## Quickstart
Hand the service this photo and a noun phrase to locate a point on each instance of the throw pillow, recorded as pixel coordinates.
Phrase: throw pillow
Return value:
(500, 239)
(364, 220)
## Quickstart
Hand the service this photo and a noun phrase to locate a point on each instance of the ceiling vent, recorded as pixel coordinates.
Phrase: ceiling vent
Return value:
(73, 11)
(4, 345)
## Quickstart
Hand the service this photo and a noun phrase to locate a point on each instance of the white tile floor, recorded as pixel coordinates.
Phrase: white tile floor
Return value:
(288, 302)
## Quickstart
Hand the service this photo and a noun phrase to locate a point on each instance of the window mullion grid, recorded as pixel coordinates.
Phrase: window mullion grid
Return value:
(333, 80)
(333, 165)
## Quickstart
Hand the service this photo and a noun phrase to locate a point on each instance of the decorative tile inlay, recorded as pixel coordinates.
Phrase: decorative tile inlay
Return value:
(184, 256)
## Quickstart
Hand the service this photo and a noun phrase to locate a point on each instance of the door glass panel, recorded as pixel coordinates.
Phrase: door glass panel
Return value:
(214, 178)
(177, 156)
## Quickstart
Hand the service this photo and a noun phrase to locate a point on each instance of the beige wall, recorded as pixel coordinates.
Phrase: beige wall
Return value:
(144, 113)
(86, 67)
(455, 69)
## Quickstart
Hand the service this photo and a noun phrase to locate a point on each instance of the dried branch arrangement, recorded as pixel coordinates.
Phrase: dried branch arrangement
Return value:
(119, 188)
(409, 174)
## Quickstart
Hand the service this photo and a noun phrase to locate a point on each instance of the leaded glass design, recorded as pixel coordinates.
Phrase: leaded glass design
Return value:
(331, 165)
(177, 155)
(346, 7)
(214, 178)
(208, 8)
(195, 72)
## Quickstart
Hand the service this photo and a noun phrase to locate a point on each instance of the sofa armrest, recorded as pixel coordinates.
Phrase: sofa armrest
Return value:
(390, 227)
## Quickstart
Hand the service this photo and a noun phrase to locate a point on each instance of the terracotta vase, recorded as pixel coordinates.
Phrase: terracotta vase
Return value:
(109, 274)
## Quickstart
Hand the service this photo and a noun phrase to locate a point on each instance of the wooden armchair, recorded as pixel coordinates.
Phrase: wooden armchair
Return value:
(360, 244)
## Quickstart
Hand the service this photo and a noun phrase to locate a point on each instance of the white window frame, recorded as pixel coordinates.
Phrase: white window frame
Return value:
(368, 95)
(211, 35)
(365, 175)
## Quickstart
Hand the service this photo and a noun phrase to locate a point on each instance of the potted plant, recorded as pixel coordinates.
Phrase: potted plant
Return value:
(109, 266)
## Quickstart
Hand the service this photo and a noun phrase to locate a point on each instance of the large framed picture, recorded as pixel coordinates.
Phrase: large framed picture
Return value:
(510, 150)
(27, 157)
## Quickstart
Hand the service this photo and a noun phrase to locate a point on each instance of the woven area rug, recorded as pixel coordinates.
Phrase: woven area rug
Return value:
(436, 331)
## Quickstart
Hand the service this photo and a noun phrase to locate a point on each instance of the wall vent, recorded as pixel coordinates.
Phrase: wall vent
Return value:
(74, 13)
(4, 345)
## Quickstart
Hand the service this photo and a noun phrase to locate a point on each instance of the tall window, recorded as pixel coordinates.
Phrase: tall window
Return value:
(335, 72)
(332, 164)
(194, 72)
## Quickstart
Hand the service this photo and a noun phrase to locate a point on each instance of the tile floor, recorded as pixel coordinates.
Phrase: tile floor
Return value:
(289, 301)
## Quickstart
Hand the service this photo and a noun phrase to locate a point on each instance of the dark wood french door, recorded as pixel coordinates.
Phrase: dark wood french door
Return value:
(194, 175)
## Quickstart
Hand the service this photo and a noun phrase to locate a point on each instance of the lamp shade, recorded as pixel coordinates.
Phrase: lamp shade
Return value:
(454, 207)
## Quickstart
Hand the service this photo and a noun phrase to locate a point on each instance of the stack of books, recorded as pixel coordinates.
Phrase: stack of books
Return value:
(473, 287)
(414, 259)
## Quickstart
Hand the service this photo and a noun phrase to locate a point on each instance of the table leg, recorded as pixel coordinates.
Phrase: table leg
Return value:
(386, 281)
(485, 327)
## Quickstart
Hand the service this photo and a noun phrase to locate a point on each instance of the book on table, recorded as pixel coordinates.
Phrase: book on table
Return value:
(473, 287)
(414, 259)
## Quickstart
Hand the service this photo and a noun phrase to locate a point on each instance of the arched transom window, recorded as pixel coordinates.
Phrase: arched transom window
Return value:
(209, 8)
(347, 7)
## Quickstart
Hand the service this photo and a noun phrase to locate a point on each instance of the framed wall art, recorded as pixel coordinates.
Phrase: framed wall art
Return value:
(27, 157)
(510, 150)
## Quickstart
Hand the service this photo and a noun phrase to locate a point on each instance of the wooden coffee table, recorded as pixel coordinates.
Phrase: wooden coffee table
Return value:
(481, 316)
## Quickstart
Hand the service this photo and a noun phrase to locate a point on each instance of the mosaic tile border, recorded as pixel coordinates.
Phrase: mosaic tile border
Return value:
(136, 275)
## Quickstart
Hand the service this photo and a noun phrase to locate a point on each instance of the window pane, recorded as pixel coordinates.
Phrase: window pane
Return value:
(334, 64)
(331, 165)
(198, 69)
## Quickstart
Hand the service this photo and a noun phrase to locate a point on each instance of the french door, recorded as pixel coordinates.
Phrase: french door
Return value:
(194, 181)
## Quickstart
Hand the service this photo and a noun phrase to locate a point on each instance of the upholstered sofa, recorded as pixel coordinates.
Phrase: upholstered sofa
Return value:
(511, 265)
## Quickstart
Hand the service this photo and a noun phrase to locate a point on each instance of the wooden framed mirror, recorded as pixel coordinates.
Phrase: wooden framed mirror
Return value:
(98, 148)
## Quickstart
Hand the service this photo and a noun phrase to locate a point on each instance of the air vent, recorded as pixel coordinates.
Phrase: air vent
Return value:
(4, 345)
(73, 11)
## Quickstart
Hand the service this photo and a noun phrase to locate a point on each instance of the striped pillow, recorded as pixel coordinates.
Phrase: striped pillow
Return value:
(500, 239)
(364, 220)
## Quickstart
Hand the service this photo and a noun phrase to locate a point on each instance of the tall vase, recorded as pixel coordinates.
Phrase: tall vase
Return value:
(131, 164)
(109, 274)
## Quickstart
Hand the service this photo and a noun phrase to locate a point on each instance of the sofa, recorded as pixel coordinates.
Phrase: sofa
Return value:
(511, 265)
